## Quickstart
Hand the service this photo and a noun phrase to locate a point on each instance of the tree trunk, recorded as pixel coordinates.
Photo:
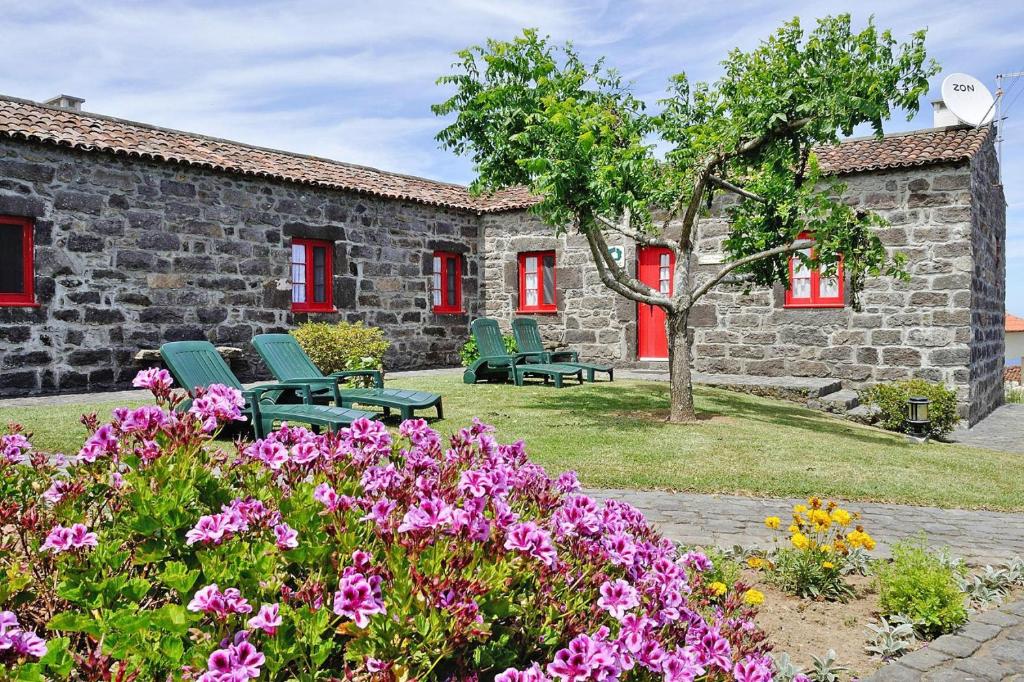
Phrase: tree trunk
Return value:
(682, 411)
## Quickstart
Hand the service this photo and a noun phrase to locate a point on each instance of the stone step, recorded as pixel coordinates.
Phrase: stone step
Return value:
(839, 402)
(798, 389)
(865, 414)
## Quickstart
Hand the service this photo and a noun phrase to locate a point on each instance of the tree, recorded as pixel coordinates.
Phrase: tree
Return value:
(533, 114)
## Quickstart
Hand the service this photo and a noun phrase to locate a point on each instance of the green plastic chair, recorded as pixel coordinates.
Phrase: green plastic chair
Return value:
(529, 341)
(290, 365)
(496, 362)
(197, 363)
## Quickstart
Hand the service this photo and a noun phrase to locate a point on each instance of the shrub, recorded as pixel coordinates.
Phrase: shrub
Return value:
(891, 400)
(154, 554)
(470, 353)
(920, 586)
(814, 564)
(342, 346)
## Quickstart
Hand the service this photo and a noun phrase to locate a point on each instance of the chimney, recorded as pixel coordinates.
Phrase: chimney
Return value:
(942, 116)
(69, 102)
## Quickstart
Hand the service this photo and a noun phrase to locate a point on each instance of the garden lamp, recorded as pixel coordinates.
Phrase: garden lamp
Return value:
(917, 415)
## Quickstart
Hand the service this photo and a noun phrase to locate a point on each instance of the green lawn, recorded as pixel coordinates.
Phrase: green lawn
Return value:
(614, 436)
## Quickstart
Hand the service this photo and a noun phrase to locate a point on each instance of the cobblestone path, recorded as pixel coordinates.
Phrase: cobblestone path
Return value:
(979, 537)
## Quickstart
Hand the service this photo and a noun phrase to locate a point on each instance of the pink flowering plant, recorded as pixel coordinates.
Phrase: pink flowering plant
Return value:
(366, 554)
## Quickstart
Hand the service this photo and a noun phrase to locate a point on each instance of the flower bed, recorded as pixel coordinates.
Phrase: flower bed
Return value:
(153, 554)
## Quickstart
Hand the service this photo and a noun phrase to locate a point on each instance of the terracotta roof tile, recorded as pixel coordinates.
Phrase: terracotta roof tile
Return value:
(90, 132)
(917, 148)
(1014, 323)
(22, 119)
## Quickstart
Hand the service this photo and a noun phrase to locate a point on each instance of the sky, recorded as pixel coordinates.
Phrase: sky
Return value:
(354, 80)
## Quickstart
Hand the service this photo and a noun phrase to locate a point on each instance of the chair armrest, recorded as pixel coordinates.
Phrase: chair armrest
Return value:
(326, 381)
(499, 360)
(256, 392)
(375, 374)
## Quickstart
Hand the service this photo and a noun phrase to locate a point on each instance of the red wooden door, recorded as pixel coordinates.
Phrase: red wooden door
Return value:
(654, 268)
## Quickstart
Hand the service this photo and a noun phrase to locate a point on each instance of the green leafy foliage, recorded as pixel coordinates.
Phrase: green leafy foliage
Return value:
(343, 345)
(810, 574)
(922, 588)
(463, 557)
(470, 353)
(891, 399)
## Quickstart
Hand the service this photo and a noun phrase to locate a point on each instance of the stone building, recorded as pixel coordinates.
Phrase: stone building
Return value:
(118, 236)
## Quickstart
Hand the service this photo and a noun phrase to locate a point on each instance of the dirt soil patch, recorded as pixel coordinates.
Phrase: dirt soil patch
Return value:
(803, 628)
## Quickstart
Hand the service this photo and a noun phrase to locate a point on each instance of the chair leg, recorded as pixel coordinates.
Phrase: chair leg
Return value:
(579, 377)
(611, 375)
(387, 411)
(558, 380)
(590, 375)
(406, 413)
(440, 410)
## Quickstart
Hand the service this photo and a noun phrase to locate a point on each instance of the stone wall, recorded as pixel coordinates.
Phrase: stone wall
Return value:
(131, 254)
(939, 325)
(590, 318)
(988, 285)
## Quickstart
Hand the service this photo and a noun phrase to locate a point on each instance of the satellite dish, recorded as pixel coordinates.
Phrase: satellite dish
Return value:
(968, 99)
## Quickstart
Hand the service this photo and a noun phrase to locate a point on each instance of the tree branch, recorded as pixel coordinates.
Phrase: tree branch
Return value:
(636, 235)
(753, 145)
(617, 280)
(740, 262)
(735, 189)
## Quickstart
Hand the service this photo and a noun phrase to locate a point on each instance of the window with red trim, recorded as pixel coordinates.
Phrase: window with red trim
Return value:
(446, 282)
(17, 269)
(813, 288)
(312, 276)
(537, 285)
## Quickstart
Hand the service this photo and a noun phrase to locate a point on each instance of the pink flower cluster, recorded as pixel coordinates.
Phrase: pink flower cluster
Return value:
(218, 403)
(13, 447)
(238, 661)
(268, 619)
(239, 516)
(358, 596)
(157, 380)
(16, 643)
(211, 600)
(61, 539)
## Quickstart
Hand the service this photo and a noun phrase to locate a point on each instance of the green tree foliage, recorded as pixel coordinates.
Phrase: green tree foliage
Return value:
(535, 114)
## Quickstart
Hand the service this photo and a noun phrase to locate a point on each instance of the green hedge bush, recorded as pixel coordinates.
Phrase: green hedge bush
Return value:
(470, 353)
(920, 586)
(342, 346)
(891, 399)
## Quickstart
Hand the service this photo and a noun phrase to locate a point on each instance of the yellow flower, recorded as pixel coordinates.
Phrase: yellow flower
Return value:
(820, 518)
(828, 564)
(773, 522)
(753, 597)
(793, 528)
(814, 502)
(827, 548)
(800, 541)
(717, 588)
(800, 509)
(858, 538)
(842, 517)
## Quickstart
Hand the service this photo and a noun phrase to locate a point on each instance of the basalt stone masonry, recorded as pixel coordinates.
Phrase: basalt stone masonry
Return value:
(132, 253)
(943, 324)
(145, 235)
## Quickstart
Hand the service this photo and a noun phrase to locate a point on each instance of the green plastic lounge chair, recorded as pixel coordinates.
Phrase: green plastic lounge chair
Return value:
(529, 341)
(496, 362)
(197, 363)
(290, 365)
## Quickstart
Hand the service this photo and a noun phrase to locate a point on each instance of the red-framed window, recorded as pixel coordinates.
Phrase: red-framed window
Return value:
(813, 288)
(446, 282)
(17, 269)
(537, 285)
(312, 276)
